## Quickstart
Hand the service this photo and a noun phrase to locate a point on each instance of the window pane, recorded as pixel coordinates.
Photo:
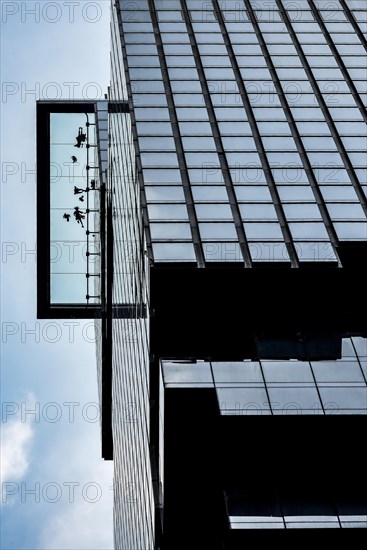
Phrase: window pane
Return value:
(258, 212)
(170, 231)
(308, 230)
(218, 231)
(173, 252)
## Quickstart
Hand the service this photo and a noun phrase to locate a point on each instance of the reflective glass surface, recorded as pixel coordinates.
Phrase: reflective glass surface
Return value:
(239, 131)
(293, 387)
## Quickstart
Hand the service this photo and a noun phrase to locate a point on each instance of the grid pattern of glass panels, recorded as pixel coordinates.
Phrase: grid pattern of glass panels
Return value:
(69, 173)
(274, 512)
(282, 387)
(134, 506)
(250, 122)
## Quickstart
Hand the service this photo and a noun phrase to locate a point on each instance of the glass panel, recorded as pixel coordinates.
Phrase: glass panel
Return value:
(347, 348)
(213, 212)
(181, 86)
(199, 144)
(338, 193)
(194, 100)
(214, 231)
(159, 159)
(238, 143)
(247, 158)
(157, 144)
(149, 100)
(179, 374)
(279, 143)
(222, 252)
(161, 176)
(68, 288)
(208, 174)
(346, 211)
(184, 74)
(308, 230)
(294, 400)
(242, 401)
(287, 371)
(268, 252)
(194, 114)
(252, 193)
(238, 372)
(351, 231)
(164, 194)
(154, 128)
(340, 400)
(151, 114)
(145, 74)
(234, 113)
(266, 231)
(337, 371)
(360, 345)
(74, 193)
(180, 61)
(295, 193)
(173, 38)
(209, 193)
(248, 174)
(201, 159)
(195, 128)
(258, 212)
(173, 252)
(315, 252)
(167, 212)
(170, 231)
(302, 211)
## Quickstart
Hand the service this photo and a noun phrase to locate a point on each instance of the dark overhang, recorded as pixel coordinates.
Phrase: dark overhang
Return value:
(215, 465)
(231, 314)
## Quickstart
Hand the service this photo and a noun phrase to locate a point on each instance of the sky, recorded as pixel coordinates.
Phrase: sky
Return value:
(56, 490)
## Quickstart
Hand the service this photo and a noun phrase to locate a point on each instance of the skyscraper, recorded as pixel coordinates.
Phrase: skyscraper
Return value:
(230, 272)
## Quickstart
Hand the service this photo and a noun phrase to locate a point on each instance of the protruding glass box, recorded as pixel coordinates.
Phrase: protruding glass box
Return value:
(70, 208)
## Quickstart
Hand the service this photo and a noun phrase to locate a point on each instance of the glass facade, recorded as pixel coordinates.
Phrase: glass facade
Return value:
(245, 147)
(255, 388)
(250, 121)
(134, 506)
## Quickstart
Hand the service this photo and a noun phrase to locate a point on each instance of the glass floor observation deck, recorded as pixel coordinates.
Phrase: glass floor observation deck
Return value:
(71, 177)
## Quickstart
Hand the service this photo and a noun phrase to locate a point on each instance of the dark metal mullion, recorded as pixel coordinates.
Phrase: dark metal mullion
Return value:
(266, 388)
(353, 22)
(317, 387)
(134, 130)
(218, 141)
(339, 144)
(258, 141)
(339, 60)
(293, 128)
(178, 141)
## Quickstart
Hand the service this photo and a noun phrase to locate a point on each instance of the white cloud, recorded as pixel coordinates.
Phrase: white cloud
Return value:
(81, 524)
(16, 439)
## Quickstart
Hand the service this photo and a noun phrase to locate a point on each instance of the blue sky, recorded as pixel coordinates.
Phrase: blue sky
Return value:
(48, 49)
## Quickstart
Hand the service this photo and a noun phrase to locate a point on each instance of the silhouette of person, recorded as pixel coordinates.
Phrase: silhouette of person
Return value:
(80, 138)
(78, 190)
(66, 217)
(73, 158)
(79, 215)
